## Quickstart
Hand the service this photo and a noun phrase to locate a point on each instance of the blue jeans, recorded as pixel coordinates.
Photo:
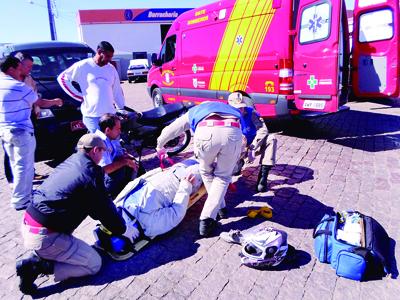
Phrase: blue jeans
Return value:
(20, 145)
(92, 123)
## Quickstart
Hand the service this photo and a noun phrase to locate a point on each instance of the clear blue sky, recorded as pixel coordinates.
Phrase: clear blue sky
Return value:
(27, 20)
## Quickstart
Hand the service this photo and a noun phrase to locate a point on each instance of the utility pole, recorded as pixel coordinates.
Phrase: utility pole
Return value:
(51, 20)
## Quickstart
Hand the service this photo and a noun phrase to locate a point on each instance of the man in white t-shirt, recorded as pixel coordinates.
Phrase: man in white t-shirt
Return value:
(99, 85)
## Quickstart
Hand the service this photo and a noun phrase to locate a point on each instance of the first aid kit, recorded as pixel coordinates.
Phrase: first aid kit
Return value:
(355, 245)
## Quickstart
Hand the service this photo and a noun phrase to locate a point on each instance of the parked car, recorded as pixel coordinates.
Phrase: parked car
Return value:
(57, 129)
(138, 69)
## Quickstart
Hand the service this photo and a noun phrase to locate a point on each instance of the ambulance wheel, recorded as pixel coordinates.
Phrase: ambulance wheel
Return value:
(157, 98)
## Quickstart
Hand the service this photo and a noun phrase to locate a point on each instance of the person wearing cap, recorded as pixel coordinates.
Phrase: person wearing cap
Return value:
(72, 192)
(217, 146)
(99, 84)
(258, 139)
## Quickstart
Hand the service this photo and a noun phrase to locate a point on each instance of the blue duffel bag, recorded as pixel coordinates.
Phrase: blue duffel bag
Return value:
(358, 255)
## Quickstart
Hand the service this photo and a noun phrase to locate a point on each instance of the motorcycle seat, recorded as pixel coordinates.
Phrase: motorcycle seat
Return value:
(162, 114)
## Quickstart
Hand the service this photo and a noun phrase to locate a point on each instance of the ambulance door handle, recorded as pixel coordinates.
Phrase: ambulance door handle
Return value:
(305, 65)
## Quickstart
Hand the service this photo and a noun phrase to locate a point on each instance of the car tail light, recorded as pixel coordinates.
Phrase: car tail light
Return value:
(285, 76)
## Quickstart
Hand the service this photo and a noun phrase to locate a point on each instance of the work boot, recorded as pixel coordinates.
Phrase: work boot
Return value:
(223, 213)
(262, 178)
(207, 227)
(29, 269)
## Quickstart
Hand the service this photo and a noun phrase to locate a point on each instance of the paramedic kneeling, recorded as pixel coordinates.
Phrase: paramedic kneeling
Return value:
(258, 139)
(73, 191)
(217, 146)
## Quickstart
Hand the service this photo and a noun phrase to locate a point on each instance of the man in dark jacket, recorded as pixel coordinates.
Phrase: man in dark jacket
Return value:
(73, 191)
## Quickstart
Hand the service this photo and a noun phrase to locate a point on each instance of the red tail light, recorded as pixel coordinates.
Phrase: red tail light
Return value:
(285, 76)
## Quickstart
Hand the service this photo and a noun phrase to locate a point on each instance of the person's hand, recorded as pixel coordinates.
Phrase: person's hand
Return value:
(130, 163)
(251, 156)
(132, 231)
(36, 110)
(58, 101)
(161, 153)
(191, 178)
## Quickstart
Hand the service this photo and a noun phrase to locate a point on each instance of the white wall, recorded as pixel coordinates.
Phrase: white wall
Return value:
(124, 37)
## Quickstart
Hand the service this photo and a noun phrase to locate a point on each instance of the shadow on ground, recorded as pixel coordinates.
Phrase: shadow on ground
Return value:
(160, 251)
(372, 132)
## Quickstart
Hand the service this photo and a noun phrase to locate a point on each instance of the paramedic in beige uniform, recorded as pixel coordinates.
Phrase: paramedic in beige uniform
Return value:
(217, 146)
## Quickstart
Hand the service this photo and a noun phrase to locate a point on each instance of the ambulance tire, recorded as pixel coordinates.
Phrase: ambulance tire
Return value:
(157, 98)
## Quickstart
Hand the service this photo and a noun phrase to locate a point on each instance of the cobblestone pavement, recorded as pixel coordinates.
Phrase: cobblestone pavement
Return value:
(347, 161)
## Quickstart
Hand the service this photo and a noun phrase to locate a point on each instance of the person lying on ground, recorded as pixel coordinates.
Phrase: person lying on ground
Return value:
(156, 202)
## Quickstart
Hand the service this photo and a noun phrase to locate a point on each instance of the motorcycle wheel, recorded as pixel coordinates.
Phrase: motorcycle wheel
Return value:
(157, 98)
(178, 144)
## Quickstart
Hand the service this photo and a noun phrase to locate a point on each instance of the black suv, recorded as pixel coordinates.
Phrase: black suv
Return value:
(57, 129)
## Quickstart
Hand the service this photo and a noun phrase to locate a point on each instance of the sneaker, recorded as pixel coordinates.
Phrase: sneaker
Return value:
(223, 213)
(233, 236)
(207, 227)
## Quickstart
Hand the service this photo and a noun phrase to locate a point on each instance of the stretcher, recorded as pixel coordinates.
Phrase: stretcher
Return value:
(109, 243)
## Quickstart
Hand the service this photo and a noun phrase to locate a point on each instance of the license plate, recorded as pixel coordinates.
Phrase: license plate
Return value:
(77, 125)
(314, 104)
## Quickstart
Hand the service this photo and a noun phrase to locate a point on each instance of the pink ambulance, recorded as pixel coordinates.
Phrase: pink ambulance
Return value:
(285, 56)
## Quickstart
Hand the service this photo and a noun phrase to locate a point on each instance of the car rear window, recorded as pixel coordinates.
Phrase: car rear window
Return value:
(49, 63)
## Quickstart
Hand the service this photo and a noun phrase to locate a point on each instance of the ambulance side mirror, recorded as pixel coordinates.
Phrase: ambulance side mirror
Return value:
(154, 60)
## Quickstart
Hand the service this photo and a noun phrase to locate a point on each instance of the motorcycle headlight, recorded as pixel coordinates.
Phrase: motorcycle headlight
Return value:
(45, 113)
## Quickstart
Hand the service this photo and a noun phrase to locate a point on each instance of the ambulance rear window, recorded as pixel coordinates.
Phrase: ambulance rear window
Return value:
(315, 23)
(376, 26)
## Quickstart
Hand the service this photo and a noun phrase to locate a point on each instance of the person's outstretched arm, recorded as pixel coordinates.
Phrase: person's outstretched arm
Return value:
(168, 217)
(65, 80)
(173, 130)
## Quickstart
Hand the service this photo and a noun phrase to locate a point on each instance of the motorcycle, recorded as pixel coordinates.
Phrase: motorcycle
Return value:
(141, 130)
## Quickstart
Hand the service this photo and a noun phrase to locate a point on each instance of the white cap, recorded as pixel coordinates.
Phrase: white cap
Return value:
(236, 100)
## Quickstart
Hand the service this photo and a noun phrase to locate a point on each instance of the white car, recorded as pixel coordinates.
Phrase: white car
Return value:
(138, 69)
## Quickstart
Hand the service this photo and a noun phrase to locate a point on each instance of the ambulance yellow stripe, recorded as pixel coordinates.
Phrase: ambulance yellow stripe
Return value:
(236, 60)
(239, 53)
(226, 44)
(256, 27)
(256, 51)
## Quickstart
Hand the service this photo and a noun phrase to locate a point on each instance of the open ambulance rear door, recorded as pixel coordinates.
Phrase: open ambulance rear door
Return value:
(320, 54)
(375, 63)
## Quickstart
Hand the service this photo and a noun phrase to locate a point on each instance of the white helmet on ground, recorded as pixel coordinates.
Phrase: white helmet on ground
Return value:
(267, 247)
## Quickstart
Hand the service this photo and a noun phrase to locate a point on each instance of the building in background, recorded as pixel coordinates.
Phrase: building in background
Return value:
(128, 30)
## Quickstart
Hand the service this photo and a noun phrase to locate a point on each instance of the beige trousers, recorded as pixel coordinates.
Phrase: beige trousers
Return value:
(217, 149)
(72, 257)
(267, 151)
